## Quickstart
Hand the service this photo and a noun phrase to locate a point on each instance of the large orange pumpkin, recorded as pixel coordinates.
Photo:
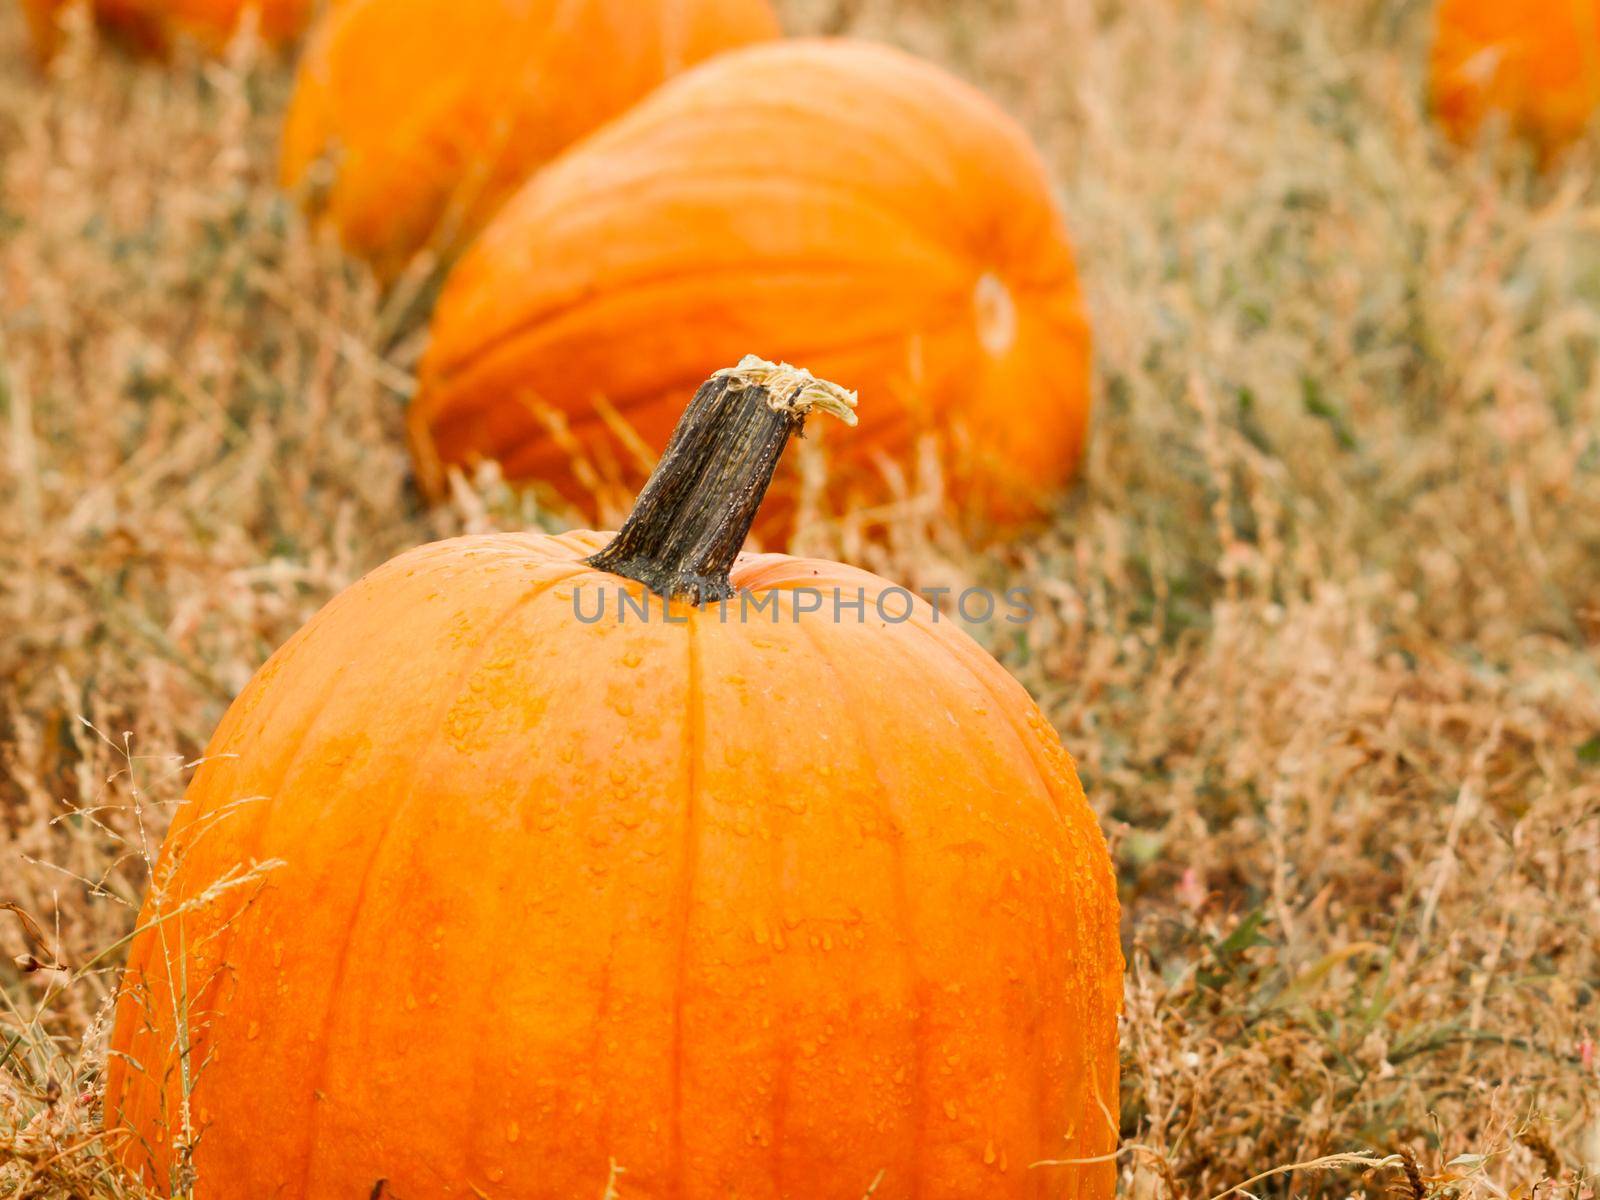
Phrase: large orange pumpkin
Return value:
(1534, 63)
(729, 903)
(832, 202)
(435, 110)
(151, 26)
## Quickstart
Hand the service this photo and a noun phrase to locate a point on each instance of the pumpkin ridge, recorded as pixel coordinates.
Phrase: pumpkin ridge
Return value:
(1025, 738)
(1072, 322)
(669, 180)
(522, 545)
(602, 1012)
(919, 1032)
(521, 455)
(588, 418)
(783, 1065)
(448, 697)
(512, 543)
(902, 81)
(941, 242)
(187, 814)
(195, 814)
(969, 671)
(690, 851)
(509, 450)
(306, 741)
(441, 372)
(184, 817)
(957, 652)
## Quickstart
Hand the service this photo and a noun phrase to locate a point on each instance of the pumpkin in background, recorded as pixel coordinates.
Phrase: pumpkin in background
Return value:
(433, 111)
(757, 907)
(833, 202)
(151, 26)
(1534, 63)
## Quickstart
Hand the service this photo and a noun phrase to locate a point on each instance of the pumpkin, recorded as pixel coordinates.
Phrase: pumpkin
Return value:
(834, 202)
(433, 111)
(151, 26)
(478, 894)
(1532, 63)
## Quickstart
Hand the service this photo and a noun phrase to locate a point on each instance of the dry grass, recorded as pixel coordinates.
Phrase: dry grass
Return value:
(1321, 625)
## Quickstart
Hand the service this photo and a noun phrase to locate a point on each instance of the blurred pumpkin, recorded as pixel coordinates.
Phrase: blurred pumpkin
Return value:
(433, 111)
(151, 26)
(835, 202)
(1533, 63)
(746, 907)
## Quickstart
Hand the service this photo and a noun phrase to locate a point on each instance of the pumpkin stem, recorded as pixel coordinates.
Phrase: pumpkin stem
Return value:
(691, 519)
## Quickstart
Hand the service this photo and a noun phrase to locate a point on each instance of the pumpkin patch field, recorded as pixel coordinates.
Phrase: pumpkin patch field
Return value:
(1198, 401)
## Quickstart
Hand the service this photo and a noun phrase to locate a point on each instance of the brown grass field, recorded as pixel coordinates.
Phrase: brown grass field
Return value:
(1321, 623)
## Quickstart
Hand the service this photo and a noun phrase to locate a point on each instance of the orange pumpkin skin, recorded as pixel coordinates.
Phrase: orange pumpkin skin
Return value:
(435, 110)
(1536, 63)
(835, 203)
(152, 26)
(756, 910)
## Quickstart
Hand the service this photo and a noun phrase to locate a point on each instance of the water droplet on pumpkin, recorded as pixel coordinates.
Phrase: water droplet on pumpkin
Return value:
(253, 1031)
(513, 1132)
(950, 1109)
(989, 1155)
(496, 1174)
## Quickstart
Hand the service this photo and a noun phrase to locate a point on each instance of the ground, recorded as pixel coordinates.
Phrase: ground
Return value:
(1321, 622)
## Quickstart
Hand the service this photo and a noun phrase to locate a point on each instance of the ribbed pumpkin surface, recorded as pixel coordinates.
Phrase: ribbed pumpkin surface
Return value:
(834, 203)
(152, 25)
(434, 110)
(1536, 63)
(756, 910)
